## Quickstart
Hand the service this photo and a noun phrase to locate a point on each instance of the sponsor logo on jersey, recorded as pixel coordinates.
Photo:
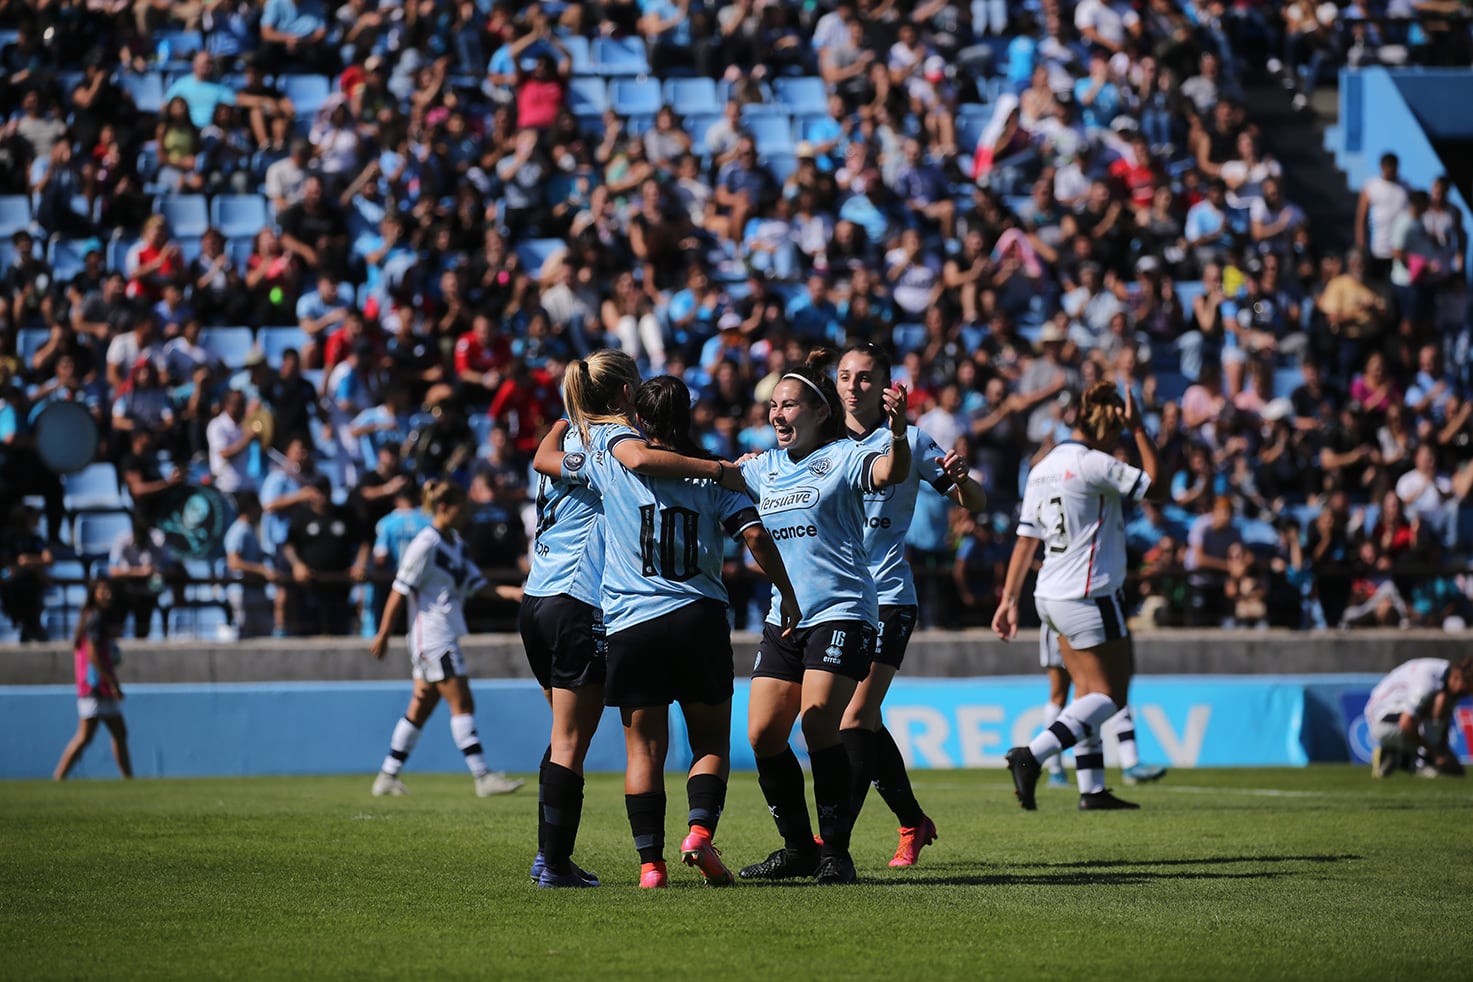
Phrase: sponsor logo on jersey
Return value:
(877, 522)
(791, 500)
(884, 494)
(1068, 474)
(574, 461)
(793, 532)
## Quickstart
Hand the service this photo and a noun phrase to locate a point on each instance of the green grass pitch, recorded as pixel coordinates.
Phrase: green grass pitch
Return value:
(1241, 874)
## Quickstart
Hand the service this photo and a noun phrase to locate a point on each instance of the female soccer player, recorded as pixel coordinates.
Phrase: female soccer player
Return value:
(864, 374)
(561, 622)
(810, 492)
(95, 659)
(662, 580)
(436, 576)
(1072, 505)
(1131, 768)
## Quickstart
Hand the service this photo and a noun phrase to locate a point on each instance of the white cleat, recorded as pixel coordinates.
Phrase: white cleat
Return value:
(388, 785)
(495, 782)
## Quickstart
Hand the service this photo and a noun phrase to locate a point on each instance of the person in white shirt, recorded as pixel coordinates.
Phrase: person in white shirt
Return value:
(1072, 507)
(1381, 200)
(1408, 714)
(1105, 24)
(1427, 494)
(228, 445)
(435, 577)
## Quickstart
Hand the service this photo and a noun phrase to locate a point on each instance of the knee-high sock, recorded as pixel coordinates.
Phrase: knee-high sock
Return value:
(861, 746)
(1124, 722)
(647, 822)
(831, 790)
(542, 797)
(1051, 713)
(1089, 764)
(463, 729)
(1081, 718)
(893, 783)
(781, 779)
(563, 810)
(401, 745)
(706, 795)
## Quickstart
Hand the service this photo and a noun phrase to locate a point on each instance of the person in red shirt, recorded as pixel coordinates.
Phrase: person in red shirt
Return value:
(1135, 174)
(155, 262)
(527, 403)
(482, 356)
(341, 341)
(542, 91)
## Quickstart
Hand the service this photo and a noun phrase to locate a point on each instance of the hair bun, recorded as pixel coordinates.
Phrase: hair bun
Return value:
(820, 357)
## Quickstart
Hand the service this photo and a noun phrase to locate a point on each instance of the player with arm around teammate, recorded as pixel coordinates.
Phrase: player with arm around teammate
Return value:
(435, 577)
(1408, 715)
(810, 493)
(1072, 506)
(562, 623)
(862, 377)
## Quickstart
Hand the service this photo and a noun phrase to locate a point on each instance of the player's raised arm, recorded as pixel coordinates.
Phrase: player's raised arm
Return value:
(893, 467)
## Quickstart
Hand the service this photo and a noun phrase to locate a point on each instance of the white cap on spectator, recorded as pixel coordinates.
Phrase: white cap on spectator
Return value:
(1278, 409)
(730, 321)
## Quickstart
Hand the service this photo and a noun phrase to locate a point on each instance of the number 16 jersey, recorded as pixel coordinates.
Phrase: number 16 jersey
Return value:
(1072, 503)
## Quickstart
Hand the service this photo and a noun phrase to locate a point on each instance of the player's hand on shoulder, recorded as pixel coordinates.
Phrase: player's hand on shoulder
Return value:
(731, 477)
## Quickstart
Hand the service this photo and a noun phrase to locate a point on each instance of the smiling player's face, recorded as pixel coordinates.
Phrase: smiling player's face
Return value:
(794, 418)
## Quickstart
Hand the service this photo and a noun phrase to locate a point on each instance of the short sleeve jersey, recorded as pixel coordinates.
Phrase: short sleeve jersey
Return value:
(393, 534)
(889, 511)
(814, 510)
(436, 577)
(1072, 503)
(568, 546)
(1410, 688)
(664, 539)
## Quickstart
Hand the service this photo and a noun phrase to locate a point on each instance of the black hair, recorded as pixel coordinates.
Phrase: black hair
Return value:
(663, 404)
(875, 353)
(813, 371)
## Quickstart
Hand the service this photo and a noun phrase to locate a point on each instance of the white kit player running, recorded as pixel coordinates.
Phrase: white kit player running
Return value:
(1072, 506)
(435, 576)
(1408, 715)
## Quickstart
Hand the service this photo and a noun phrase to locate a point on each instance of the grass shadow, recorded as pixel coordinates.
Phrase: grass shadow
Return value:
(1207, 861)
(1132, 878)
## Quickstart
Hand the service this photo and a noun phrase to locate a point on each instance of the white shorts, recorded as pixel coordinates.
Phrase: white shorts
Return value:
(91, 707)
(1386, 732)
(1050, 655)
(1083, 623)
(439, 664)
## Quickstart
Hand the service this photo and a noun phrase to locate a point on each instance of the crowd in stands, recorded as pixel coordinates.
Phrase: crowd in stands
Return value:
(377, 230)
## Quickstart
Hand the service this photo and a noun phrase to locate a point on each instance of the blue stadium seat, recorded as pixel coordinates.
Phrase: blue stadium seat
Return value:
(238, 214)
(774, 134)
(94, 487)
(971, 119)
(639, 124)
(67, 258)
(1170, 386)
(1286, 380)
(579, 52)
(229, 344)
(534, 252)
(190, 246)
(96, 531)
(1186, 292)
(239, 248)
(307, 93)
(147, 90)
(698, 127)
(803, 95)
(632, 96)
(15, 214)
(117, 252)
(588, 96)
(780, 165)
(753, 110)
(201, 622)
(30, 340)
(692, 96)
(908, 338)
(275, 340)
(619, 56)
(188, 214)
(182, 48)
(806, 125)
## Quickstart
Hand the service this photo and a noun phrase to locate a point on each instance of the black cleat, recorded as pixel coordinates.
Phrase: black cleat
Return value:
(784, 864)
(1025, 770)
(1104, 801)
(836, 870)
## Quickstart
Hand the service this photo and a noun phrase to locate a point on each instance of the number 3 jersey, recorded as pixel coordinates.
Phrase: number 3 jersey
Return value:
(663, 538)
(568, 549)
(1072, 503)
(814, 510)
(888, 512)
(436, 576)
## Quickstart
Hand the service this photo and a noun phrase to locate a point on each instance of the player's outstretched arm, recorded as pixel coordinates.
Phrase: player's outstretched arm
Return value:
(1146, 447)
(764, 550)
(650, 461)
(964, 491)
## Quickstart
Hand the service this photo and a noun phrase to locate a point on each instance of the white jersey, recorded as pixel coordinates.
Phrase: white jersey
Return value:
(1072, 503)
(1410, 688)
(1384, 201)
(436, 576)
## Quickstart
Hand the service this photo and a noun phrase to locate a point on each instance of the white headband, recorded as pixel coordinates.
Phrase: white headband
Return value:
(819, 392)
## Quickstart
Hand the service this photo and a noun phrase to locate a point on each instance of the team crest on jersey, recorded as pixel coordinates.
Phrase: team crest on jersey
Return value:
(821, 467)
(574, 461)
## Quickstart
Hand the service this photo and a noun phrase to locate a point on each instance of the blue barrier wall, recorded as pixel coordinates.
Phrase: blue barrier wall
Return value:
(343, 727)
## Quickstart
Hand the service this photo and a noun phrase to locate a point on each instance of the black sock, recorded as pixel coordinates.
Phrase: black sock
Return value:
(562, 811)
(831, 795)
(859, 744)
(647, 822)
(541, 794)
(893, 783)
(707, 796)
(781, 779)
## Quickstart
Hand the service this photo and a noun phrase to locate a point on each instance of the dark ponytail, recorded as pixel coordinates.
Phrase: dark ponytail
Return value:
(663, 405)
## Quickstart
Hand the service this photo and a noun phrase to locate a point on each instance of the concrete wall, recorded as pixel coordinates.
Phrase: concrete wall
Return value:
(932, 653)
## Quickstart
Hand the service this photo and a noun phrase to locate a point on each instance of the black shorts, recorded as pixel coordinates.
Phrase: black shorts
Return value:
(896, 625)
(564, 639)
(841, 647)
(683, 656)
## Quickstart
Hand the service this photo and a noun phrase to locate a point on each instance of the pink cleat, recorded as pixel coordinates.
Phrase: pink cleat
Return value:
(652, 876)
(698, 851)
(911, 841)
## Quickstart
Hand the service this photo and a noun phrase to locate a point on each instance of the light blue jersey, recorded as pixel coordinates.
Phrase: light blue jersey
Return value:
(568, 548)
(814, 510)
(664, 539)
(394, 532)
(888, 513)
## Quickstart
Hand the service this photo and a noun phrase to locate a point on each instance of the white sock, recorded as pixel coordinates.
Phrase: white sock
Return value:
(1051, 713)
(1089, 764)
(1125, 732)
(1081, 718)
(463, 729)
(406, 735)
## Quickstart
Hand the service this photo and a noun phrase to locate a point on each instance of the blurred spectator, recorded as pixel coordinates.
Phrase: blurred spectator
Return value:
(24, 562)
(142, 568)
(252, 611)
(326, 548)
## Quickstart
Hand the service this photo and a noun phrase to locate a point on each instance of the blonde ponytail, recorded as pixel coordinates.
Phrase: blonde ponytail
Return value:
(592, 388)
